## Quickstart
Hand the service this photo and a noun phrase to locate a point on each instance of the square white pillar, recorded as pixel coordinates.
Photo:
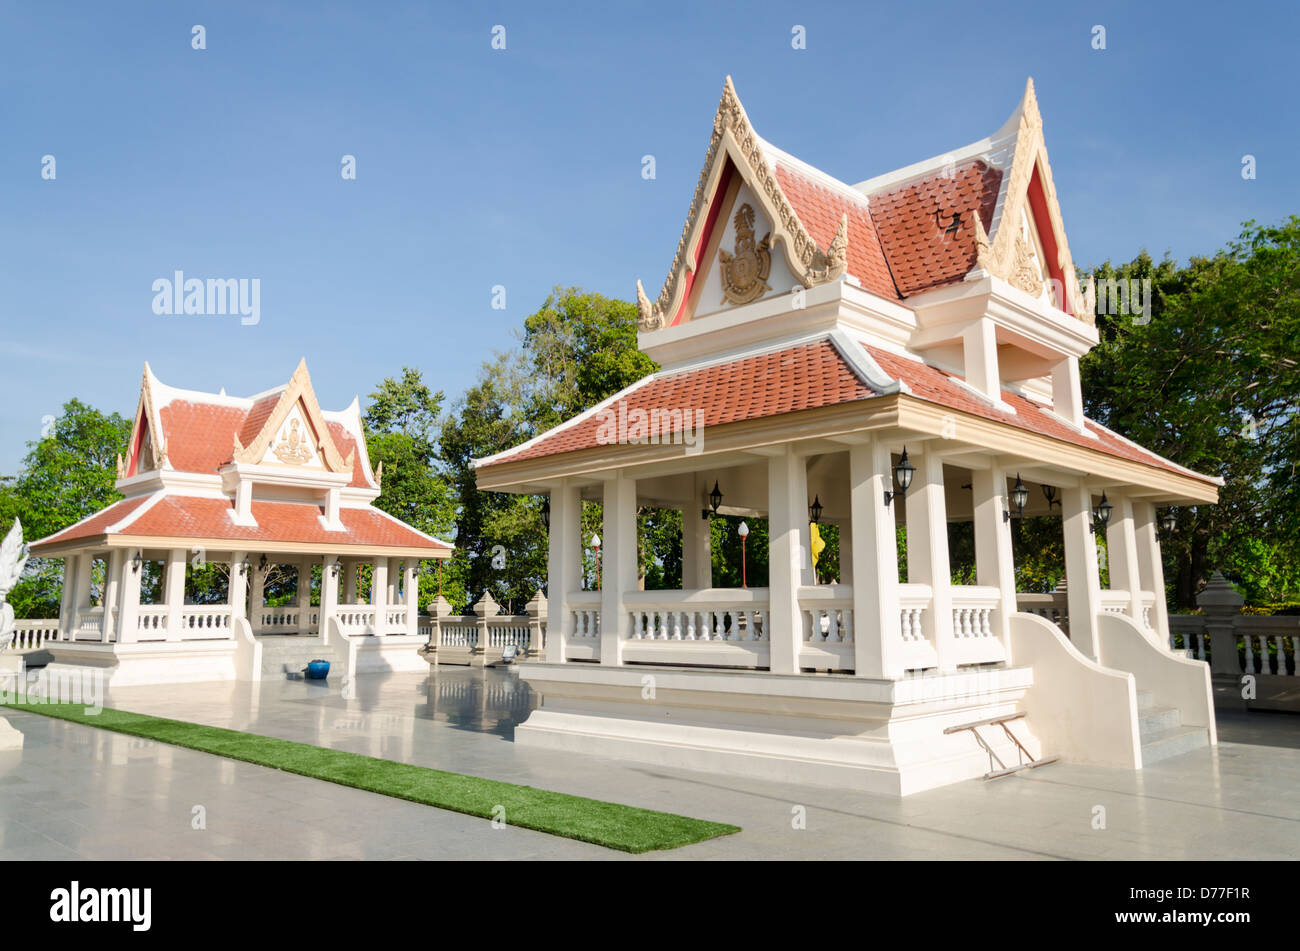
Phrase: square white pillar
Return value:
(1081, 572)
(257, 596)
(789, 564)
(697, 550)
(350, 581)
(927, 554)
(304, 594)
(330, 579)
(379, 594)
(618, 553)
(128, 610)
(995, 565)
(1122, 554)
(237, 588)
(1151, 566)
(175, 592)
(112, 584)
(980, 355)
(68, 597)
(877, 634)
(411, 595)
(562, 568)
(1067, 392)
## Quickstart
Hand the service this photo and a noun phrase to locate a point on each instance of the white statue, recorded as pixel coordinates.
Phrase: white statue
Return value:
(13, 558)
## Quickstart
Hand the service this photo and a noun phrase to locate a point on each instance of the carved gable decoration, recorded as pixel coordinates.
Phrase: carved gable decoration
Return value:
(734, 140)
(149, 452)
(1008, 254)
(744, 273)
(295, 433)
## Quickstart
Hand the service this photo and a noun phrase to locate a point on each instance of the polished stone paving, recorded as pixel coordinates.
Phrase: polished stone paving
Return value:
(78, 792)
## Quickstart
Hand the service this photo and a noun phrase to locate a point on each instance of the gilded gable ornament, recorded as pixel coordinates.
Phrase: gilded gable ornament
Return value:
(1025, 273)
(293, 449)
(744, 274)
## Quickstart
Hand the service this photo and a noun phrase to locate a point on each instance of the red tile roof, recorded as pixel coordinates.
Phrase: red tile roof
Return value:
(809, 376)
(768, 384)
(914, 224)
(188, 517)
(200, 436)
(819, 209)
(936, 386)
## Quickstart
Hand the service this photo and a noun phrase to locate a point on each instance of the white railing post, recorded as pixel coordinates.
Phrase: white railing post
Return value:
(1221, 604)
(536, 609)
(484, 610)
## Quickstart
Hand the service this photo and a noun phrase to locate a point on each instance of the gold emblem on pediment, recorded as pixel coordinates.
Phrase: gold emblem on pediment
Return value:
(1026, 274)
(744, 273)
(293, 449)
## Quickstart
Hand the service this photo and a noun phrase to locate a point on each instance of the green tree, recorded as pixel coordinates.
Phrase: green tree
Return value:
(68, 474)
(1208, 379)
(401, 422)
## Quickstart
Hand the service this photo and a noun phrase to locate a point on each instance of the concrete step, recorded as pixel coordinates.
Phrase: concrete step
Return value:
(1173, 742)
(1152, 720)
(288, 654)
(1145, 700)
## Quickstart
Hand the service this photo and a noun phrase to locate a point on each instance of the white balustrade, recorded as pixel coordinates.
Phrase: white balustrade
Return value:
(151, 622)
(34, 633)
(355, 619)
(972, 611)
(827, 614)
(913, 602)
(207, 622)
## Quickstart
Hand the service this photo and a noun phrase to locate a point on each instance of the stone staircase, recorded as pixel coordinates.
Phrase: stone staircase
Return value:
(1162, 732)
(284, 654)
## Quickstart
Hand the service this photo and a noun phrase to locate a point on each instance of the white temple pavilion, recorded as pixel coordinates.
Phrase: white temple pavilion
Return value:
(263, 483)
(819, 330)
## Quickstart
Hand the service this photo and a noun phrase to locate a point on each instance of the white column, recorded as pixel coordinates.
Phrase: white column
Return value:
(980, 353)
(411, 595)
(350, 581)
(1067, 391)
(1083, 588)
(561, 568)
(789, 565)
(85, 562)
(697, 554)
(329, 591)
(1151, 567)
(927, 553)
(112, 581)
(257, 598)
(304, 594)
(877, 637)
(237, 589)
(379, 593)
(68, 597)
(128, 610)
(175, 592)
(995, 564)
(1122, 555)
(618, 564)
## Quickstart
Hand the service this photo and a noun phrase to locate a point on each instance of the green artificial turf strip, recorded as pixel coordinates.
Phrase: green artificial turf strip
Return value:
(609, 824)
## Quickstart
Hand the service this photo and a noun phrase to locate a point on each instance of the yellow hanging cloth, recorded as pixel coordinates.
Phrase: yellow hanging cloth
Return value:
(818, 546)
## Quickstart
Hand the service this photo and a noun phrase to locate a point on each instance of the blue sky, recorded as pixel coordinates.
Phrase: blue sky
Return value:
(479, 167)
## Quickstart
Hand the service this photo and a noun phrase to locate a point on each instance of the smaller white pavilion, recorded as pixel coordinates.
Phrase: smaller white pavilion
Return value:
(240, 491)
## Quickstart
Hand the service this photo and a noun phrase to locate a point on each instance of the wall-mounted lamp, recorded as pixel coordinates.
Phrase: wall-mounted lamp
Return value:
(1169, 521)
(1101, 513)
(815, 510)
(136, 562)
(245, 566)
(1019, 496)
(546, 513)
(261, 564)
(335, 568)
(1049, 492)
(715, 499)
(903, 472)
